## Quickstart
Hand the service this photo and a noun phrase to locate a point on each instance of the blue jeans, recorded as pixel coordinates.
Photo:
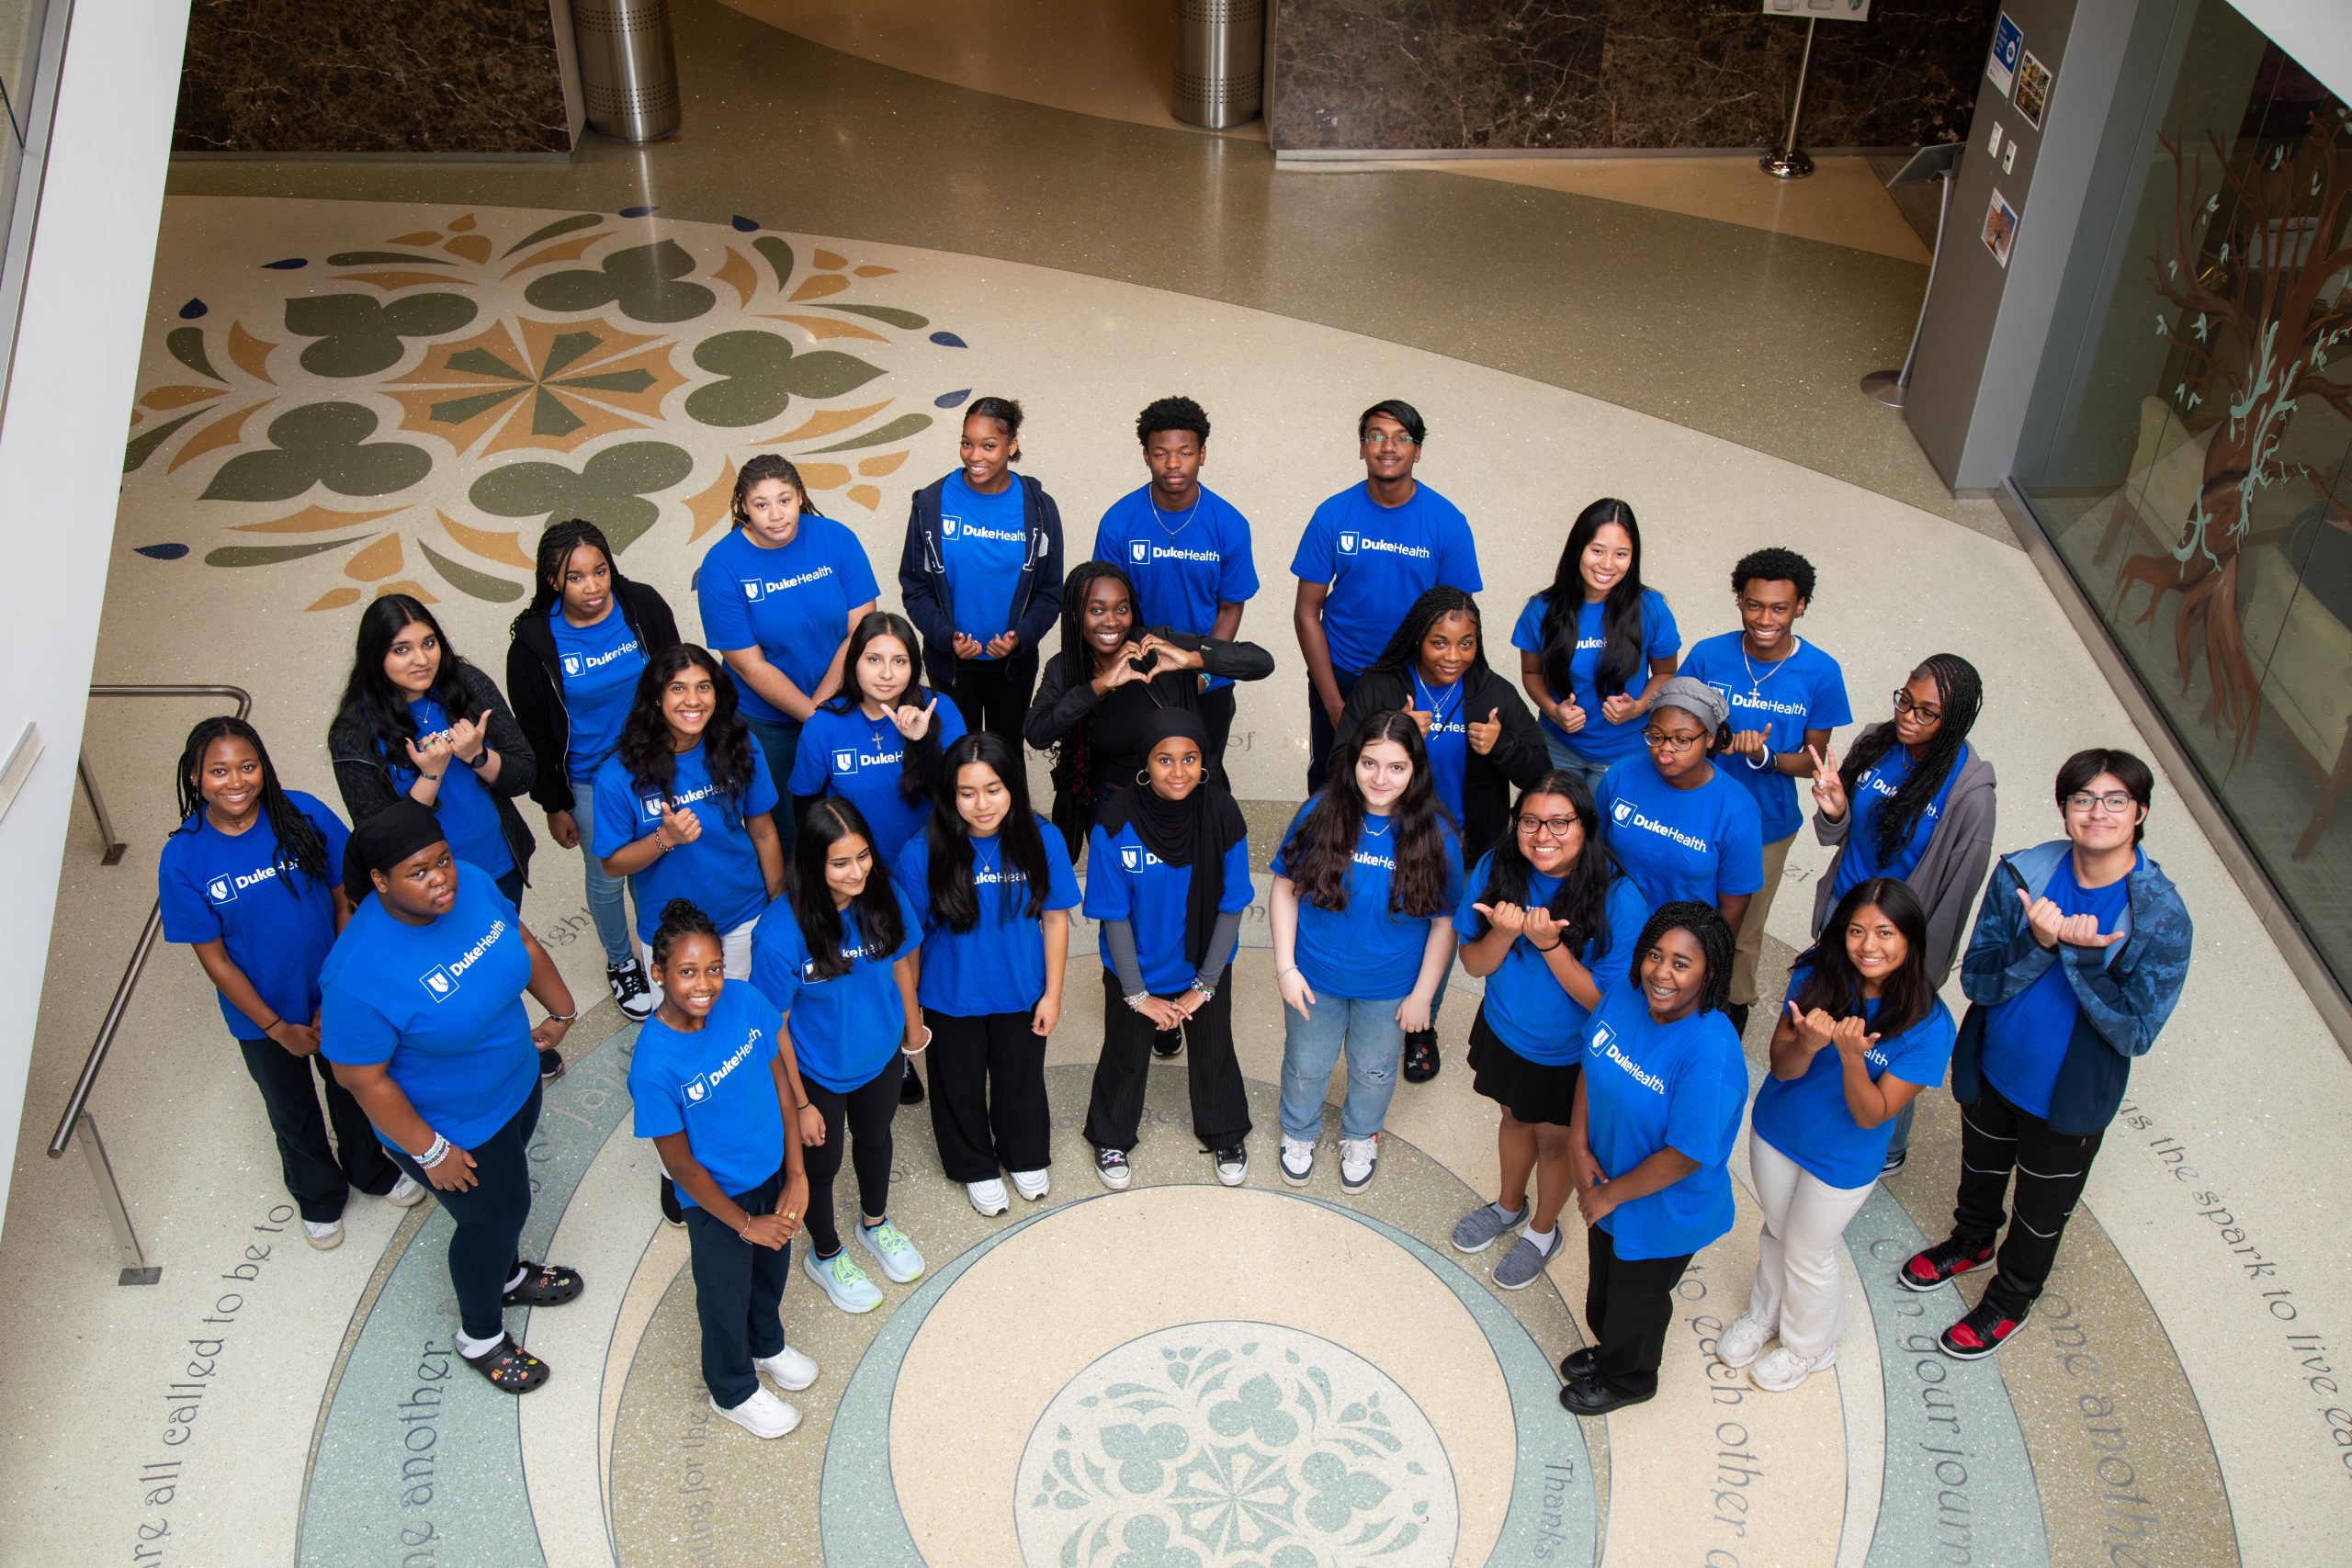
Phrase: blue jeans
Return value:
(780, 740)
(605, 893)
(1374, 1042)
(1569, 760)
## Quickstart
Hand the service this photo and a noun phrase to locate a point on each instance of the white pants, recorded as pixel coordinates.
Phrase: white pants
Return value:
(1796, 1284)
(734, 951)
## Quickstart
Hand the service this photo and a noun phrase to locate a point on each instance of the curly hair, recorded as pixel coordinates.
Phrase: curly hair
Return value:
(1403, 650)
(1172, 414)
(1711, 933)
(556, 546)
(680, 917)
(1073, 766)
(1773, 564)
(1320, 856)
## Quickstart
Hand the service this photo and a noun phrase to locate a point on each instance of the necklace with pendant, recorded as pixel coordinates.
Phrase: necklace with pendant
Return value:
(1755, 682)
(1161, 518)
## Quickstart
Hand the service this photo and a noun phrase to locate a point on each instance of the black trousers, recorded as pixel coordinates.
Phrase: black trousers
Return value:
(994, 693)
(1220, 1103)
(1216, 717)
(316, 1177)
(860, 1118)
(1321, 736)
(1996, 1137)
(1629, 1307)
(988, 1094)
(489, 1217)
(739, 1295)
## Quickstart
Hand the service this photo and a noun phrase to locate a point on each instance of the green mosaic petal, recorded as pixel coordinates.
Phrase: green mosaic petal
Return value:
(323, 443)
(898, 429)
(360, 335)
(464, 579)
(609, 381)
(549, 417)
(457, 410)
(643, 280)
(560, 226)
(887, 313)
(567, 347)
(270, 554)
(372, 258)
(187, 345)
(779, 257)
(483, 362)
(142, 445)
(826, 373)
(754, 391)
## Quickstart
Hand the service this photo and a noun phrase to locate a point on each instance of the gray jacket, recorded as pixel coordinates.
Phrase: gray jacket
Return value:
(1949, 871)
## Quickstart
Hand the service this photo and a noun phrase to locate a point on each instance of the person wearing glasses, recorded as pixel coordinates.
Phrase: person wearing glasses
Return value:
(1367, 554)
(1913, 801)
(1677, 823)
(2077, 961)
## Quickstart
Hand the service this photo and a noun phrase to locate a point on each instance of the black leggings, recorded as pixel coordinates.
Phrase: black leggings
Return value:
(862, 1117)
(994, 693)
(489, 1217)
(988, 1094)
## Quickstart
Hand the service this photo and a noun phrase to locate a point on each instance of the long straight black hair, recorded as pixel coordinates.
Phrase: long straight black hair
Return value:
(644, 746)
(300, 846)
(1322, 855)
(1961, 691)
(1622, 632)
(950, 837)
(919, 765)
(369, 692)
(556, 546)
(1582, 902)
(822, 826)
(1835, 986)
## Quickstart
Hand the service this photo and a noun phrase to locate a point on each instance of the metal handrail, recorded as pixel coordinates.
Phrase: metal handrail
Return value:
(76, 1113)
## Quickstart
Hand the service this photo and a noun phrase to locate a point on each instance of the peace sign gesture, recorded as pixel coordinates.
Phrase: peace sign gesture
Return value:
(1829, 789)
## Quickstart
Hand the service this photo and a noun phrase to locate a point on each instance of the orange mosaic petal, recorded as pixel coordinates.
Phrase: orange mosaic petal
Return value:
(409, 586)
(335, 598)
(249, 353)
(474, 248)
(178, 397)
(314, 520)
(388, 281)
(825, 422)
(562, 250)
(867, 496)
(226, 431)
(875, 467)
(831, 260)
(823, 327)
(379, 559)
(823, 475)
(711, 507)
(504, 548)
(818, 287)
(737, 272)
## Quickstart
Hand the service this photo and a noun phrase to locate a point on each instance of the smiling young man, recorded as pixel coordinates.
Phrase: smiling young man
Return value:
(2079, 954)
(1786, 694)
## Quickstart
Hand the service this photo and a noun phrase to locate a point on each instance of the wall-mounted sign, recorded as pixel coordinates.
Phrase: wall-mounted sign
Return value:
(2000, 228)
(2009, 43)
(2031, 93)
(1826, 10)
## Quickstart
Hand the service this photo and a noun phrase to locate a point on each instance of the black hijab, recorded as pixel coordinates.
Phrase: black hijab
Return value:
(1195, 831)
(384, 840)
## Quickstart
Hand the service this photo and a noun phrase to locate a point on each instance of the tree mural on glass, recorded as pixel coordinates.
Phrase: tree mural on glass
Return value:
(2261, 311)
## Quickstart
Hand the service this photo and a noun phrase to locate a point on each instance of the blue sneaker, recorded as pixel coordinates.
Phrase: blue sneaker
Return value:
(843, 1282)
(891, 1248)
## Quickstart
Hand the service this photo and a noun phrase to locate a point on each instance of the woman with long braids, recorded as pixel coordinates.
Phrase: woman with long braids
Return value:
(572, 668)
(1548, 921)
(1679, 824)
(1912, 800)
(252, 880)
(838, 961)
(1101, 692)
(1657, 1110)
(993, 895)
(778, 597)
(1864, 1034)
(877, 741)
(1368, 872)
(1596, 646)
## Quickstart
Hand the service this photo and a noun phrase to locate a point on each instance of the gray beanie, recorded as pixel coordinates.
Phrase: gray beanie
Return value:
(1695, 697)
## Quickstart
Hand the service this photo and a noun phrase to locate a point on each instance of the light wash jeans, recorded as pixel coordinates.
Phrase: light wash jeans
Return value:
(1573, 761)
(1374, 1041)
(605, 893)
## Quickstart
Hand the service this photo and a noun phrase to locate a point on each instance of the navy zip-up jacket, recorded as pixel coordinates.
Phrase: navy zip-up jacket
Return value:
(922, 578)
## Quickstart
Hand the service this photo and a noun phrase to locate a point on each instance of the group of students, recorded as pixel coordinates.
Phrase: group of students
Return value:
(826, 831)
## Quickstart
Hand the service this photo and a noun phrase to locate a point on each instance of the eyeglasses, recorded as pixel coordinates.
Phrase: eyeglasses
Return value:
(1553, 827)
(1659, 740)
(1923, 712)
(2117, 802)
(1379, 442)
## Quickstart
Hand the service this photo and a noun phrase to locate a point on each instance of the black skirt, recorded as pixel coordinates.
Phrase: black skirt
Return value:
(1532, 1091)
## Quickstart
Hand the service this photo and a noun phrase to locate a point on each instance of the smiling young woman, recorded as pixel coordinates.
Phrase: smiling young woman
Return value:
(1597, 645)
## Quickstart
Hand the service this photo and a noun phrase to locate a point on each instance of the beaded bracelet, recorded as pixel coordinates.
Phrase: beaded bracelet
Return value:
(435, 1155)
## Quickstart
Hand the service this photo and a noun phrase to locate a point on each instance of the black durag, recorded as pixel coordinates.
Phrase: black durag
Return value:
(384, 840)
(1195, 831)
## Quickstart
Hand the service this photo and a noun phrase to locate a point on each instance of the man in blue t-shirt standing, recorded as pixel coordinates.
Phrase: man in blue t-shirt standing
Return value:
(2079, 953)
(1185, 547)
(1367, 554)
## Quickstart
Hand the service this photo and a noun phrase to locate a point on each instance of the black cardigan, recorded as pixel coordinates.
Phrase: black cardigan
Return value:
(1518, 758)
(364, 779)
(535, 681)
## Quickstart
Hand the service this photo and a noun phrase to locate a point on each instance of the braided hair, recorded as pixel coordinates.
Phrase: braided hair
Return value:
(1962, 691)
(300, 846)
(1711, 933)
(1404, 649)
(1073, 768)
(555, 558)
(1622, 634)
(681, 918)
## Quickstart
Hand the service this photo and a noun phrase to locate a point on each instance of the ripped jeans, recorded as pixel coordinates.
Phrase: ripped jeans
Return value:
(1374, 1042)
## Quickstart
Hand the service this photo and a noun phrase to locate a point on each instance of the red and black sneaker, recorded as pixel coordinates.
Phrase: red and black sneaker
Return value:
(1979, 1334)
(1943, 1261)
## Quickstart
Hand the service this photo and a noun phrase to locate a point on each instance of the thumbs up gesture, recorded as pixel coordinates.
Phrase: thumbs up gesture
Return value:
(1484, 736)
(1419, 716)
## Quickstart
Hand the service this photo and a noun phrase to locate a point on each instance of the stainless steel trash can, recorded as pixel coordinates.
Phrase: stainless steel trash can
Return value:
(1220, 61)
(628, 72)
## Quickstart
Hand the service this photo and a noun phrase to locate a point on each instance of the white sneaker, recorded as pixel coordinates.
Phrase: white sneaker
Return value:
(762, 1414)
(324, 1235)
(987, 1197)
(792, 1370)
(405, 1193)
(1357, 1158)
(1298, 1160)
(1742, 1342)
(1233, 1165)
(1784, 1369)
(1032, 1184)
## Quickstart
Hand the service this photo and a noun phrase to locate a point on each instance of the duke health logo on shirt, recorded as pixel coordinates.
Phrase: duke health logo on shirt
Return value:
(1347, 544)
(846, 762)
(572, 664)
(1135, 857)
(698, 1090)
(1139, 550)
(652, 803)
(947, 525)
(753, 590)
(221, 891)
(438, 983)
(1725, 687)
(1621, 810)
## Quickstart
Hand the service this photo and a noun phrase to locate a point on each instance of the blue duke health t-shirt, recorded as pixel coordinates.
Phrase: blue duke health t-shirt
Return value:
(1367, 951)
(1599, 741)
(1650, 1085)
(1126, 882)
(1807, 1118)
(469, 812)
(983, 539)
(599, 666)
(1701, 843)
(1860, 860)
(1377, 560)
(1183, 564)
(844, 1028)
(2025, 1037)
(714, 1085)
(860, 758)
(440, 1005)
(1447, 744)
(1524, 1004)
(1000, 965)
(720, 870)
(1805, 691)
(276, 923)
(791, 602)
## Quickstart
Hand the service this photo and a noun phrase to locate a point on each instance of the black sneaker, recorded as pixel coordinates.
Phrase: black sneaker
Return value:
(1421, 1055)
(671, 1210)
(1947, 1259)
(632, 993)
(1580, 1364)
(1737, 1013)
(1979, 1334)
(1168, 1045)
(1895, 1161)
(551, 1064)
(910, 1087)
(1110, 1164)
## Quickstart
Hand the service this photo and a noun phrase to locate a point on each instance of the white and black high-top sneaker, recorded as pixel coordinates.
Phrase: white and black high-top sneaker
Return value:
(631, 991)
